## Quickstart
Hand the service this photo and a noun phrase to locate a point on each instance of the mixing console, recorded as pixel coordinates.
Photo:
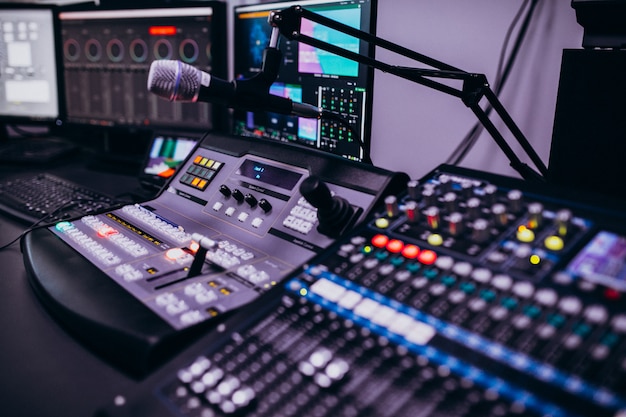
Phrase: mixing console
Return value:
(468, 295)
(236, 219)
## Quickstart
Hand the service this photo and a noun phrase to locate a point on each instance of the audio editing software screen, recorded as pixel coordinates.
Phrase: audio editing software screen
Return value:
(28, 65)
(310, 75)
(107, 56)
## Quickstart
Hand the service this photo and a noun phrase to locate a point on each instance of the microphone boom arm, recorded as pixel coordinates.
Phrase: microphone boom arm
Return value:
(474, 88)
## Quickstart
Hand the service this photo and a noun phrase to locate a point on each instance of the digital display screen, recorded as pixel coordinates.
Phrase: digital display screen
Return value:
(310, 75)
(28, 64)
(602, 261)
(269, 174)
(167, 153)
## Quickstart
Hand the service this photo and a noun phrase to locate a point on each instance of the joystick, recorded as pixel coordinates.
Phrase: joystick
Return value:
(334, 214)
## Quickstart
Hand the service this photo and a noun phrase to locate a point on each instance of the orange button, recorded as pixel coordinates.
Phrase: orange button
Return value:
(380, 241)
(427, 257)
(197, 160)
(410, 251)
(395, 246)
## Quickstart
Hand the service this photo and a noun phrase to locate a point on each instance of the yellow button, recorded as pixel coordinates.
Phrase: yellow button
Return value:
(435, 239)
(524, 234)
(554, 243)
(382, 223)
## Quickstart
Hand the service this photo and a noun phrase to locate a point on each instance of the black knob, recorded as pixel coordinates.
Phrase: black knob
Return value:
(334, 213)
(265, 205)
(251, 200)
(225, 190)
(238, 195)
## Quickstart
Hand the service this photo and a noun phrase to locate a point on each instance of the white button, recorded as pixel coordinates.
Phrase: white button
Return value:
(257, 222)
(502, 282)
(218, 206)
(523, 289)
(619, 324)
(596, 314)
(462, 269)
(243, 216)
(570, 305)
(230, 211)
(546, 297)
(481, 275)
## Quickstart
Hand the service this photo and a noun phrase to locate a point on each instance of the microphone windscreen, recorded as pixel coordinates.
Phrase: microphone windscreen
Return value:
(174, 80)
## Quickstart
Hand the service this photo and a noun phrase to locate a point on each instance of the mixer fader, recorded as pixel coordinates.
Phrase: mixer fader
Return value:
(467, 295)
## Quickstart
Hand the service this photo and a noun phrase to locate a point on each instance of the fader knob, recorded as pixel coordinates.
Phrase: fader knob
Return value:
(432, 217)
(514, 197)
(473, 208)
(480, 232)
(413, 189)
(535, 215)
(563, 221)
(391, 206)
(455, 223)
(411, 211)
(490, 193)
(449, 201)
(500, 215)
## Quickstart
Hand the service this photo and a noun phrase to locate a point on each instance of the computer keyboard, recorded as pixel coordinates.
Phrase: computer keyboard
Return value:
(47, 198)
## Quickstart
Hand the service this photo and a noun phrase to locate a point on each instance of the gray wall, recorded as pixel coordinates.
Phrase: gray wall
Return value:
(415, 128)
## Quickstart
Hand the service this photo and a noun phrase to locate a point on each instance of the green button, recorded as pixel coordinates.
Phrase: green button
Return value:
(509, 303)
(467, 287)
(431, 273)
(487, 295)
(609, 339)
(397, 261)
(448, 280)
(532, 311)
(413, 267)
(381, 256)
(556, 320)
(582, 329)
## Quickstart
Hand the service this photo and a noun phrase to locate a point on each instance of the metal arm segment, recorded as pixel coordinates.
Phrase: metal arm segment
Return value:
(475, 86)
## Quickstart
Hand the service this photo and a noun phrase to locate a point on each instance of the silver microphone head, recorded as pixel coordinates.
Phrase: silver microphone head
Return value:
(174, 80)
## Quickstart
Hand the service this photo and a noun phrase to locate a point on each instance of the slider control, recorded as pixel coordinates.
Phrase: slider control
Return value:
(204, 244)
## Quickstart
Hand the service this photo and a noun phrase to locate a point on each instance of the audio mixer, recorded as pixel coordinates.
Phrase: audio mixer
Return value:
(468, 294)
(239, 215)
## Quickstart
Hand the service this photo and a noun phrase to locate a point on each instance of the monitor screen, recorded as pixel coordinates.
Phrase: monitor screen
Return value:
(312, 76)
(107, 55)
(28, 65)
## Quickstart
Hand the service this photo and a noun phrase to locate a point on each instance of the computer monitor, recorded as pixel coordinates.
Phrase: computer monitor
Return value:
(28, 65)
(107, 54)
(312, 76)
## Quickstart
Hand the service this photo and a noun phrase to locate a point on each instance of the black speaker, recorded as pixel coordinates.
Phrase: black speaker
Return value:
(589, 137)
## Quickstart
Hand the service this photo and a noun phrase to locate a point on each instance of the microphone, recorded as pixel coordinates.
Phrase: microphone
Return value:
(178, 81)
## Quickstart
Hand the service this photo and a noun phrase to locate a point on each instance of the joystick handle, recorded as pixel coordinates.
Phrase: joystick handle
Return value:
(335, 214)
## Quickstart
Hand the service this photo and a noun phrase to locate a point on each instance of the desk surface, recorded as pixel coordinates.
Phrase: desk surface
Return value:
(45, 371)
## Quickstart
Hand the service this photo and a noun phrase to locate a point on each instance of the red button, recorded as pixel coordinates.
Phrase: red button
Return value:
(410, 251)
(427, 257)
(395, 246)
(612, 294)
(380, 241)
